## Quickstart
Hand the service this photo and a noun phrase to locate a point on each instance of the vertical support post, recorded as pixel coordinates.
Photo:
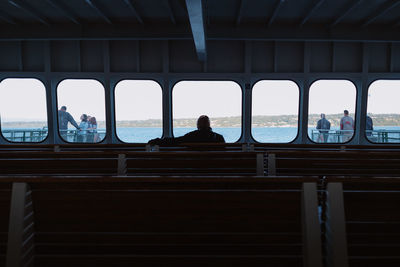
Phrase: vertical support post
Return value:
(166, 93)
(20, 245)
(246, 94)
(109, 91)
(304, 92)
(312, 252)
(260, 164)
(362, 99)
(51, 98)
(336, 241)
(271, 165)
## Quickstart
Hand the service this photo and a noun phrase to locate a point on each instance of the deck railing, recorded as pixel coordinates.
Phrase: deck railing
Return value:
(38, 135)
(339, 136)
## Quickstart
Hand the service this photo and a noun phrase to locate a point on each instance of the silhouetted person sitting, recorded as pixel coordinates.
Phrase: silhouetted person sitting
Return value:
(203, 134)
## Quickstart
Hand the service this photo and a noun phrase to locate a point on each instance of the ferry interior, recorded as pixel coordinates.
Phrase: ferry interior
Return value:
(305, 93)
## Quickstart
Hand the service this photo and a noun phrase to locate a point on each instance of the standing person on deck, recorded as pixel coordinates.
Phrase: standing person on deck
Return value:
(323, 125)
(347, 126)
(203, 134)
(63, 118)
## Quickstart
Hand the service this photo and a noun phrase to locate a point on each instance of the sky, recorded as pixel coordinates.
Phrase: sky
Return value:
(275, 98)
(190, 99)
(138, 100)
(332, 97)
(82, 96)
(24, 99)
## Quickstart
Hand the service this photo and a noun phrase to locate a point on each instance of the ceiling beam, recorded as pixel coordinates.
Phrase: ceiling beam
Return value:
(7, 18)
(240, 12)
(346, 11)
(275, 13)
(99, 11)
(196, 18)
(64, 10)
(134, 11)
(380, 12)
(167, 5)
(311, 12)
(350, 33)
(30, 10)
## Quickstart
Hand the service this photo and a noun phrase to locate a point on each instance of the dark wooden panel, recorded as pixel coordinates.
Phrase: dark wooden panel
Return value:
(225, 56)
(193, 261)
(92, 56)
(65, 56)
(187, 211)
(124, 56)
(33, 55)
(183, 57)
(263, 56)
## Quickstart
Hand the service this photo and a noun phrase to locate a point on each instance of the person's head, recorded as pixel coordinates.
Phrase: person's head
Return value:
(92, 120)
(63, 108)
(203, 122)
(322, 116)
(346, 112)
(83, 117)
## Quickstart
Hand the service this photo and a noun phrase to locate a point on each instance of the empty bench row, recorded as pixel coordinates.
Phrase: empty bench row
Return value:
(160, 221)
(132, 163)
(333, 163)
(198, 221)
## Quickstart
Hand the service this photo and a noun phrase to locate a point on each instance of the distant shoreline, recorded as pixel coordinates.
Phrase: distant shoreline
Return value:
(257, 121)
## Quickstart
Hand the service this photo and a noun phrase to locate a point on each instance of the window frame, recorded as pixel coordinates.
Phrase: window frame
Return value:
(47, 110)
(298, 111)
(115, 104)
(57, 126)
(355, 109)
(210, 80)
(366, 110)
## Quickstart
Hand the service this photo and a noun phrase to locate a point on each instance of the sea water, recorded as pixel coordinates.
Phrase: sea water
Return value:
(231, 134)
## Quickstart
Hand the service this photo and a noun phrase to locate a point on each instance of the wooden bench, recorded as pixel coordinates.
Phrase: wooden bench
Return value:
(186, 221)
(132, 163)
(5, 200)
(195, 163)
(321, 163)
(371, 219)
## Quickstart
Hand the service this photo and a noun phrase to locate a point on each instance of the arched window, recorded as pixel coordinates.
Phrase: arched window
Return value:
(383, 112)
(332, 105)
(138, 110)
(81, 110)
(275, 111)
(221, 101)
(23, 111)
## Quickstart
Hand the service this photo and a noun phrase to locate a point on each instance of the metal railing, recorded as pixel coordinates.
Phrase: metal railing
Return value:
(38, 135)
(77, 136)
(341, 136)
(25, 135)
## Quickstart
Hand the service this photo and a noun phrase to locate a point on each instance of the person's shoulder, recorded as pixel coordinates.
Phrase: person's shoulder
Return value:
(219, 137)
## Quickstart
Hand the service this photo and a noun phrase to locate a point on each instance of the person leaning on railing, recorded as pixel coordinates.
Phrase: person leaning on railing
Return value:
(63, 118)
(323, 125)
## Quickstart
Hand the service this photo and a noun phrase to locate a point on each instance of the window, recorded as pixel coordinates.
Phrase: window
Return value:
(219, 100)
(383, 111)
(81, 110)
(138, 110)
(275, 111)
(23, 110)
(329, 101)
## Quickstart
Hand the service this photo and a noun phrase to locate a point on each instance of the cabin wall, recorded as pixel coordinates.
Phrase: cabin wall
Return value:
(169, 61)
